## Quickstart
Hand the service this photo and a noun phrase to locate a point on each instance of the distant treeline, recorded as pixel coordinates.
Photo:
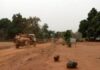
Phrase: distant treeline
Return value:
(90, 27)
(18, 24)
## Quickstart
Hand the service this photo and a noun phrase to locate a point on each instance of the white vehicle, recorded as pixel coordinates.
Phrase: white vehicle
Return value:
(33, 37)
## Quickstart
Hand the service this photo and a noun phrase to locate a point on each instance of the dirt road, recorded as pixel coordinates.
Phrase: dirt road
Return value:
(87, 54)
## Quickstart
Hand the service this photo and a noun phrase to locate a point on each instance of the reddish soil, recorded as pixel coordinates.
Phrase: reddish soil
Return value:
(87, 54)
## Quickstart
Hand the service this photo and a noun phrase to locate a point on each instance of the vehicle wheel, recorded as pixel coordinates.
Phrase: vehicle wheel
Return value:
(17, 45)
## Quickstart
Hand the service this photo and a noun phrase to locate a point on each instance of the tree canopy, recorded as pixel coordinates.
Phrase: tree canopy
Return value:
(90, 27)
(19, 24)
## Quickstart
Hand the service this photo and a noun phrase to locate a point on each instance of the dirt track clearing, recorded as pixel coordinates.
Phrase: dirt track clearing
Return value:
(87, 54)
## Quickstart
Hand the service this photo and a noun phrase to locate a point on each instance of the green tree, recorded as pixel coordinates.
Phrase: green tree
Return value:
(18, 22)
(45, 31)
(96, 25)
(17, 26)
(67, 36)
(83, 27)
(92, 14)
(33, 25)
(91, 30)
(5, 24)
(90, 27)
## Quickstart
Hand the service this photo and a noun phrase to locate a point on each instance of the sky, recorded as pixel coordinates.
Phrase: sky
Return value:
(60, 15)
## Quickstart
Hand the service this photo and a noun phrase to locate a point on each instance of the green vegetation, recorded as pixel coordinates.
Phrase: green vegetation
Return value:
(19, 24)
(90, 27)
(67, 36)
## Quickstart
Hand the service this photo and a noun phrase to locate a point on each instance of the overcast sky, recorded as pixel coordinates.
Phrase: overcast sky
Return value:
(60, 15)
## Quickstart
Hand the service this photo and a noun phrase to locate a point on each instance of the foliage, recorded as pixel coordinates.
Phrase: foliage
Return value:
(90, 27)
(67, 36)
(45, 33)
(32, 25)
(4, 28)
(19, 24)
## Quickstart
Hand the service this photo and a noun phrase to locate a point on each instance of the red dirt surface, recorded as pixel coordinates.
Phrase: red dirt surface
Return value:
(87, 54)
